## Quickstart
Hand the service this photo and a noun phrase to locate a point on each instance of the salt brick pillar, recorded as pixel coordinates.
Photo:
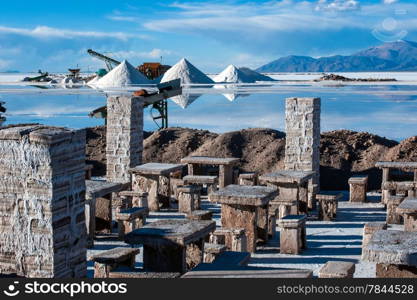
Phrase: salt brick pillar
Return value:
(42, 199)
(124, 140)
(302, 122)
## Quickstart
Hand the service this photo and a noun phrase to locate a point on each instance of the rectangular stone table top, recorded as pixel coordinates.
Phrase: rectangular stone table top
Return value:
(396, 164)
(100, 188)
(358, 179)
(244, 195)
(156, 169)
(250, 272)
(171, 232)
(392, 247)
(409, 205)
(207, 160)
(287, 176)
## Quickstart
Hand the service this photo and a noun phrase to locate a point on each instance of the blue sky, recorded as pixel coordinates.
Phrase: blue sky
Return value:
(54, 36)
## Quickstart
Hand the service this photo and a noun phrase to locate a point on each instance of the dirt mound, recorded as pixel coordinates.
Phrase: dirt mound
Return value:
(172, 144)
(345, 152)
(260, 150)
(96, 149)
(405, 151)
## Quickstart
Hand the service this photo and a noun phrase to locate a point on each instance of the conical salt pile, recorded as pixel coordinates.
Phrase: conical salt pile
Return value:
(255, 75)
(123, 75)
(187, 73)
(233, 75)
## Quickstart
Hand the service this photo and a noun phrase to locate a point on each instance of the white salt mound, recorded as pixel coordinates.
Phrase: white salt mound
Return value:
(233, 74)
(123, 75)
(187, 73)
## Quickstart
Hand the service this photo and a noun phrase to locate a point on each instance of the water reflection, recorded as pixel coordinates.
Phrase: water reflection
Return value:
(185, 99)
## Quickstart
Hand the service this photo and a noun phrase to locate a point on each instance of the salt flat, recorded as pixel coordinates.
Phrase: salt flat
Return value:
(339, 240)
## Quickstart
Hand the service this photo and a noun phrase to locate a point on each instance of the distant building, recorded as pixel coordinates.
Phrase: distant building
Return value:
(153, 70)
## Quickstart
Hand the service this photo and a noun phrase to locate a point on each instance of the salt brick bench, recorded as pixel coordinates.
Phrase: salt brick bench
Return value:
(408, 208)
(337, 269)
(211, 251)
(210, 181)
(292, 234)
(248, 178)
(233, 239)
(328, 202)
(131, 219)
(393, 201)
(369, 229)
(200, 215)
(188, 198)
(134, 198)
(358, 186)
(109, 260)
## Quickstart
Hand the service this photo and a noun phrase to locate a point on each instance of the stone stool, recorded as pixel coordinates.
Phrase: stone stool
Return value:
(188, 198)
(292, 234)
(369, 229)
(233, 239)
(358, 186)
(393, 201)
(248, 178)
(199, 215)
(211, 251)
(134, 198)
(337, 269)
(408, 209)
(109, 260)
(328, 203)
(130, 219)
(210, 181)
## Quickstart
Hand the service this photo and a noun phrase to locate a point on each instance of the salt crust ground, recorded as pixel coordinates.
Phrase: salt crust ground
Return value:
(340, 240)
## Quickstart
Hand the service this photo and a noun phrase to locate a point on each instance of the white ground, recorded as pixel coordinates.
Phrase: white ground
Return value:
(340, 240)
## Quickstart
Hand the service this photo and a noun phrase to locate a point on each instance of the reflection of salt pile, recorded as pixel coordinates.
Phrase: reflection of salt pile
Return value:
(123, 75)
(233, 74)
(233, 94)
(188, 74)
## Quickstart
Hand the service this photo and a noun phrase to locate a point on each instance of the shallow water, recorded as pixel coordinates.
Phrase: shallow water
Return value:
(385, 110)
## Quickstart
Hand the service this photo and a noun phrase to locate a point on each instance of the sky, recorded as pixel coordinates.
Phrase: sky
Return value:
(54, 36)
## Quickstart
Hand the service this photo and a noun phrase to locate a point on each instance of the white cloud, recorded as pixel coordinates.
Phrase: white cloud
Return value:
(338, 5)
(390, 1)
(43, 32)
(131, 54)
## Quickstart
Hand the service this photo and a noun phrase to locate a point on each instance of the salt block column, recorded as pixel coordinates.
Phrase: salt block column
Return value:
(302, 148)
(124, 137)
(42, 196)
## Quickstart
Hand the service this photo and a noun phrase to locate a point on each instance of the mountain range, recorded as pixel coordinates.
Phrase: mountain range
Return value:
(394, 56)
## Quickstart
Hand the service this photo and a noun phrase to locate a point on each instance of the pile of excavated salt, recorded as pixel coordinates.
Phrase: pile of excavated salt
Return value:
(233, 74)
(123, 75)
(187, 73)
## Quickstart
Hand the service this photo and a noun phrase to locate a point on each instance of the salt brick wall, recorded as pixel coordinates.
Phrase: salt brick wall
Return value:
(302, 122)
(124, 136)
(42, 195)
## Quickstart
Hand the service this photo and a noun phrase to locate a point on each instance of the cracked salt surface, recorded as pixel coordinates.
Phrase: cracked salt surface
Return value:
(340, 240)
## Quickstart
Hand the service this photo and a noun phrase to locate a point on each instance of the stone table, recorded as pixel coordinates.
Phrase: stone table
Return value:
(293, 191)
(172, 245)
(225, 167)
(240, 204)
(390, 186)
(394, 252)
(98, 205)
(154, 178)
(408, 208)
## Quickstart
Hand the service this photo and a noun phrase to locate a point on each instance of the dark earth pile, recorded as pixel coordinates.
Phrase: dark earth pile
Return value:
(343, 152)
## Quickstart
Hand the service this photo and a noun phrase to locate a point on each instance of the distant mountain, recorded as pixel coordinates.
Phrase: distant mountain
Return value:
(396, 56)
